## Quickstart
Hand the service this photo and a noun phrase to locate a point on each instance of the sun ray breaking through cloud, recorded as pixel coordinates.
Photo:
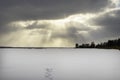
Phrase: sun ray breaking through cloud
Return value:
(61, 32)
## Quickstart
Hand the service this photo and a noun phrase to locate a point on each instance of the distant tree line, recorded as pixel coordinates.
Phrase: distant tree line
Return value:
(110, 44)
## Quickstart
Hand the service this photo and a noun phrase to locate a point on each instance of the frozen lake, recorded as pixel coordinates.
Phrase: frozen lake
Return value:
(59, 64)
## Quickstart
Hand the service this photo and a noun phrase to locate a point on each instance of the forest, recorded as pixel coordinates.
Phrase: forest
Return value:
(110, 44)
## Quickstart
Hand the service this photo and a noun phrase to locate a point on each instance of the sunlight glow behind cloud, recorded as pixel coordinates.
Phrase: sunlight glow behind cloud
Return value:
(116, 2)
(59, 32)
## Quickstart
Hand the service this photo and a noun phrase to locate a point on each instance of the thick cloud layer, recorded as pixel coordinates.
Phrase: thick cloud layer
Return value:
(110, 25)
(57, 22)
(44, 9)
(16, 10)
(110, 21)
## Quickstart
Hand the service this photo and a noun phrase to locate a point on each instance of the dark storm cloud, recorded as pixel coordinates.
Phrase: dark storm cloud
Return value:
(110, 21)
(110, 25)
(16, 10)
(50, 10)
(44, 9)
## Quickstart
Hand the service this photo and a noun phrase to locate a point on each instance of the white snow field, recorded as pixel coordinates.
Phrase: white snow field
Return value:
(59, 64)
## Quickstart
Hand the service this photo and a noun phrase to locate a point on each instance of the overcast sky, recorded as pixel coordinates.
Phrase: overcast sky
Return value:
(58, 23)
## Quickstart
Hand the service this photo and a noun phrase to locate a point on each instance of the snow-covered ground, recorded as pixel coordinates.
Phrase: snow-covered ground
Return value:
(59, 64)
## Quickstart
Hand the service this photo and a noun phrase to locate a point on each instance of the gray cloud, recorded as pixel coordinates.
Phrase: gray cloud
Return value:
(23, 10)
(110, 25)
(110, 21)
(16, 10)
(71, 34)
(44, 9)
(6, 29)
(35, 25)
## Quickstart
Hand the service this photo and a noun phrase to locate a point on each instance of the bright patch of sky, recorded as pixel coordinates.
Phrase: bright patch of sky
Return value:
(116, 2)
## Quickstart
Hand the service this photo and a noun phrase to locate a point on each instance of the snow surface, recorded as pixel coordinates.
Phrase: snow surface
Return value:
(59, 64)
